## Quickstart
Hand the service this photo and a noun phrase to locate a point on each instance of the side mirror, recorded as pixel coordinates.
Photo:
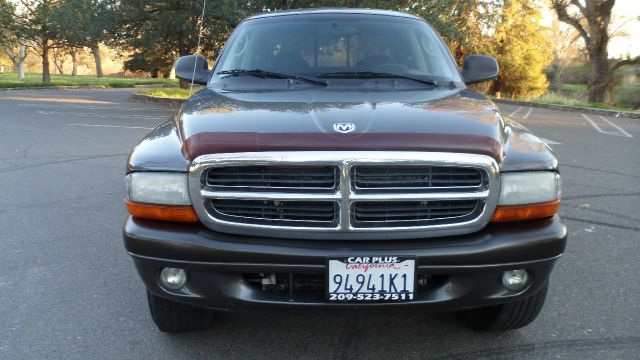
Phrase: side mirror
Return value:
(479, 68)
(185, 69)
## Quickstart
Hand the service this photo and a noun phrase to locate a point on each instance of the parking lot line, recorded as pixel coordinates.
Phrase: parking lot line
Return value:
(515, 112)
(595, 126)
(85, 107)
(526, 116)
(104, 115)
(617, 127)
(111, 126)
(550, 142)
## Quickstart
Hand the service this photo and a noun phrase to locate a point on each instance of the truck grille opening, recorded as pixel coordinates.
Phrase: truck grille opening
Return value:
(265, 211)
(344, 195)
(415, 177)
(274, 177)
(377, 213)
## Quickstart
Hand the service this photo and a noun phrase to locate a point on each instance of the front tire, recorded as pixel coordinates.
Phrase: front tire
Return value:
(507, 316)
(174, 317)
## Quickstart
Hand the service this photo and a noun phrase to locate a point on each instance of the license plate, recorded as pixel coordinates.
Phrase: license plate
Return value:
(371, 278)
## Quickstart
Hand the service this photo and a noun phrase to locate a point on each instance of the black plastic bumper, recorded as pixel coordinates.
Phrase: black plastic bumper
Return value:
(459, 272)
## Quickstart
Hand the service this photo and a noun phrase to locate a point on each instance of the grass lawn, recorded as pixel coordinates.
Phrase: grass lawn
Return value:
(554, 98)
(168, 93)
(574, 90)
(10, 80)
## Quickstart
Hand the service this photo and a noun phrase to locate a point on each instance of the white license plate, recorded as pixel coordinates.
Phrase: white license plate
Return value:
(371, 278)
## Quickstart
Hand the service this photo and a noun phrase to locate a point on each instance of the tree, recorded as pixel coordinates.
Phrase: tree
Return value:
(85, 24)
(521, 48)
(591, 18)
(160, 32)
(565, 49)
(10, 43)
(38, 28)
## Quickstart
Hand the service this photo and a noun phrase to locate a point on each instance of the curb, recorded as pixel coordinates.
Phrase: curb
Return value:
(155, 99)
(66, 87)
(604, 112)
(90, 87)
(156, 86)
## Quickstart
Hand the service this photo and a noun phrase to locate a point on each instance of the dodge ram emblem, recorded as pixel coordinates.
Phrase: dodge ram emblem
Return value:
(344, 127)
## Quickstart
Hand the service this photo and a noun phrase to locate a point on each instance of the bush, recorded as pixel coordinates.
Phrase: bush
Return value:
(627, 96)
(576, 74)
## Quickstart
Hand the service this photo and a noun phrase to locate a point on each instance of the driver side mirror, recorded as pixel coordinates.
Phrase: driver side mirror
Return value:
(479, 68)
(185, 66)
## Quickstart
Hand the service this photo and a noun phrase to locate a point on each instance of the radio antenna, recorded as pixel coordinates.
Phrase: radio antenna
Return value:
(200, 29)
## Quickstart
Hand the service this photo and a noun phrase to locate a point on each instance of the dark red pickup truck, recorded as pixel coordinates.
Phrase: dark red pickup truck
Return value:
(337, 161)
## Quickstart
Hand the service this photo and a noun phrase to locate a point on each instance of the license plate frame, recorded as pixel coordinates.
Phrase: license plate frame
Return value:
(375, 266)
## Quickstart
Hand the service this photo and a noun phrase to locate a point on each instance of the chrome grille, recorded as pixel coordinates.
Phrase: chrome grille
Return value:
(415, 177)
(274, 177)
(324, 213)
(385, 213)
(345, 195)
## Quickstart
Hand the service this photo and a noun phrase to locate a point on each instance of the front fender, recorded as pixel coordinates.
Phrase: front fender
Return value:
(160, 150)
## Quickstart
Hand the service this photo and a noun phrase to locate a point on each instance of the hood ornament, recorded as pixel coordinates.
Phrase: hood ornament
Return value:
(344, 127)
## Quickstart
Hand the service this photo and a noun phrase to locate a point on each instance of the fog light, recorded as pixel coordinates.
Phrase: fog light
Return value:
(515, 280)
(172, 278)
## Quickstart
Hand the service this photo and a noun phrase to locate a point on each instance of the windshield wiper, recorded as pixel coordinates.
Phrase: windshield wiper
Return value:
(269, 74)
(374, 75)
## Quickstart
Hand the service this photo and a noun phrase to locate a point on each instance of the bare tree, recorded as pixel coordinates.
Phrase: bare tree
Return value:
(59, 58)
(38, 28)
(74, 61)
(17, 53)
(10, 42)
(565, 49)
(592, 18)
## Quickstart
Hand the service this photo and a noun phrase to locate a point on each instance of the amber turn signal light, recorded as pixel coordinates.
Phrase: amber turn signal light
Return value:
(507, 213)
(171, 213)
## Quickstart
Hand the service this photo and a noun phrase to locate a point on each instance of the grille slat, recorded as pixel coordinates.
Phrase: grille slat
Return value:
(364, 212)
(291, 177)
(270, 210)
(377, 177)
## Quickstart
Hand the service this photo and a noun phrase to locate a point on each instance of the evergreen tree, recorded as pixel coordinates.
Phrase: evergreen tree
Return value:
(522, 50)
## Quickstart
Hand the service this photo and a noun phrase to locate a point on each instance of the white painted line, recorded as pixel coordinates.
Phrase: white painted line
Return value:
(595, 126)
(515, 112)
(111, 116)
(617, 127)
(71, 107)
(550, 142)
(111, 126)
(527, 114)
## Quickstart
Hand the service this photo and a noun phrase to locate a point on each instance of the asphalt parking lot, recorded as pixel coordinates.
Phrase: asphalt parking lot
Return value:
(68, 290)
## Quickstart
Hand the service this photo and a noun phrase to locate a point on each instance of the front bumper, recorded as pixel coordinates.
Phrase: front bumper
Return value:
(459, 272)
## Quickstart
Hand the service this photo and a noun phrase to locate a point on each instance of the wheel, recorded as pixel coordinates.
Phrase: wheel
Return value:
(507, 316)
(173, 317)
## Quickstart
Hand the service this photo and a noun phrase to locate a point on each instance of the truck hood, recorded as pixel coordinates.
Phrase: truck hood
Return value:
(416, 120)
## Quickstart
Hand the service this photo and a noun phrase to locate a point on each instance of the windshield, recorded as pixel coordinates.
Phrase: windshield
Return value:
(338, 45)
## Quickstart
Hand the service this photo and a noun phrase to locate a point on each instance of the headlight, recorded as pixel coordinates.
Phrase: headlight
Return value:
(528, 196)
(159, 188)
(529, 188)
(159, 196)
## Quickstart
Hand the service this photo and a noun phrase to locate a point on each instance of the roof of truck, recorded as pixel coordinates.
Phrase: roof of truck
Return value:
(334, 11)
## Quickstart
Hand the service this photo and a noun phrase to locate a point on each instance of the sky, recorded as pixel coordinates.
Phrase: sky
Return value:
(626, 12)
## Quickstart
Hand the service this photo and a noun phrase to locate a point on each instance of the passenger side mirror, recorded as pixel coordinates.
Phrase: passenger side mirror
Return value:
(185, 69)
(479, 68)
